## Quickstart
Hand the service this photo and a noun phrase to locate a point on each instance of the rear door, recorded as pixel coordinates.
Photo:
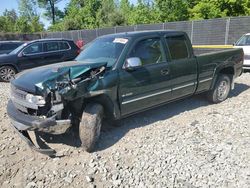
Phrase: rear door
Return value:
(53, 54)
(31, 56)
(183, 66)
(148, 85)
(69, 49)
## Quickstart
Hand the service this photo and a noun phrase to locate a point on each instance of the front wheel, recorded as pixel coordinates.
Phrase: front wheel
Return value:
(7, 73)
(90, 126)
(221, 89)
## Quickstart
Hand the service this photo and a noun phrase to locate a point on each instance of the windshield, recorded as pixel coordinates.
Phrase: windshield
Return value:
(18, 49)
(106, 49)
(244, 41)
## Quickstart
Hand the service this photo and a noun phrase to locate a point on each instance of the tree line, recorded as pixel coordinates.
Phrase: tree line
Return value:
(90, 14)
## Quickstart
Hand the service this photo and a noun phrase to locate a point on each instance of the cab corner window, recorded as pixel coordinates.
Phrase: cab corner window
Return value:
(51, 46)
(150, 51)
(33, 49)
(178, 47)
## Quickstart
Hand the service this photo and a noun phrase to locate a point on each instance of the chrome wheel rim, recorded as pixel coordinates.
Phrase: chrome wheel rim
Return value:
(7, 74)
(223, 89)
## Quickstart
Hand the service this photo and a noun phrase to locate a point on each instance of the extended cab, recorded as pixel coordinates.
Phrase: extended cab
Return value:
(115, 76)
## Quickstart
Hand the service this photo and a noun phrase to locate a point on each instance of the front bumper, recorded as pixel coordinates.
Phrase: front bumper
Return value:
(23, 123)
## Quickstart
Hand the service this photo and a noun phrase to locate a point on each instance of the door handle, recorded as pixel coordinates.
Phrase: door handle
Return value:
(164, 72)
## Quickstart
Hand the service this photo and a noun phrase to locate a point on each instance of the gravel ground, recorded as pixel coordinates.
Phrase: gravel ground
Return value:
(189, 143)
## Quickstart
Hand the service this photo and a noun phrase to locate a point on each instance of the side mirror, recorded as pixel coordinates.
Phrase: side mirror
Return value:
(132, 63)
(21, 54)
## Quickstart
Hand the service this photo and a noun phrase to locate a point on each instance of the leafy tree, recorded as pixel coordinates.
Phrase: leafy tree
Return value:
(206, 9)
(125, 10)
(10, 22)
(80, 14)
(106, 13)
(27, 8)
(143, 13)
(89, 14)
(52, 12)
(22, 25)
(29, 19)
(171, 10)
(36, 25)
(235, 7)
(10, 18)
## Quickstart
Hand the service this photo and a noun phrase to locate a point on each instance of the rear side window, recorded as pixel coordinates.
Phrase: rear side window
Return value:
(64, 46)
(51, 46)
(178, 47)
(33, 49)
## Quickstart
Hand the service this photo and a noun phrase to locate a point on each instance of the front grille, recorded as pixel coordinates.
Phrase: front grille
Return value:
(17, 93)
(18, 98)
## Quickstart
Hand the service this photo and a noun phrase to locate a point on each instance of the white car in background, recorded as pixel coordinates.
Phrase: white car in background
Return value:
(244, 43)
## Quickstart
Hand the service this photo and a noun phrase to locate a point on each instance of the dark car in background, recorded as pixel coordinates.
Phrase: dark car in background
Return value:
(36, 53)
(8, 46)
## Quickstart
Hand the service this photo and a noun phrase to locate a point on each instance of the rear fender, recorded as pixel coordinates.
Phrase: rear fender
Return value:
(225, 68)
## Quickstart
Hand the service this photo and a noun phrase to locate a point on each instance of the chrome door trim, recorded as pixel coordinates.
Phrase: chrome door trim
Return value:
(147, 96)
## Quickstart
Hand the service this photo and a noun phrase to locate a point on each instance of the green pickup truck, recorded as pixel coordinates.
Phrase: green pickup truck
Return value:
(115, 76)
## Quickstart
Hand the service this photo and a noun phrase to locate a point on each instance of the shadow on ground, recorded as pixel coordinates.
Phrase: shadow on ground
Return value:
(111, 134)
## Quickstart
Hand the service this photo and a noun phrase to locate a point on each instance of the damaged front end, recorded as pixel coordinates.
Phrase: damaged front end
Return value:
(47, 108)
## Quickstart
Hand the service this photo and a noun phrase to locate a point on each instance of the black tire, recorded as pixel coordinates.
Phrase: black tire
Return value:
(7, 73)
(90, 126)
(221, 90)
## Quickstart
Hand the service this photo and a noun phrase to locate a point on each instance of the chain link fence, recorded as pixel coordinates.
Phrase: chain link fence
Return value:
(222, 31)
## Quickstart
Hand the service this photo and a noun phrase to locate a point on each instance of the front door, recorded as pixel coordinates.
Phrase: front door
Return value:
(149, 84)
(31, 56)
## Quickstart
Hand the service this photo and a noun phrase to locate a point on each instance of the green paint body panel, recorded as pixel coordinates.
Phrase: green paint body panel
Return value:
(124, 92)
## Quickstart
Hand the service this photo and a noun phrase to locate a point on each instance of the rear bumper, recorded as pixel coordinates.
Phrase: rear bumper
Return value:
(246, 67)
(23, 123)
(246, 64)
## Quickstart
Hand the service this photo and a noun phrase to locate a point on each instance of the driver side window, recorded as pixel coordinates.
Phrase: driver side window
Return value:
(150, 51)
(33, 49)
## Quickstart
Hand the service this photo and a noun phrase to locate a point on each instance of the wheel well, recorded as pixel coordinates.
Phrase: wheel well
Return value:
(10, 66)
(106, 102)
(227, 70)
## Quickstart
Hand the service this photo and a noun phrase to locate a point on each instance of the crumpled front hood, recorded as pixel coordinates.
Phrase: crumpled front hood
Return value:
(42, 78)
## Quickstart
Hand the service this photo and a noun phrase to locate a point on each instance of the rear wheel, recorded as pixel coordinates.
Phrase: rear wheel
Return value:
(90, 126)
(221, 89)
(7, 73)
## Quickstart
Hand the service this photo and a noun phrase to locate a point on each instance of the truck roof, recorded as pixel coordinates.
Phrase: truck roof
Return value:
(145, 33)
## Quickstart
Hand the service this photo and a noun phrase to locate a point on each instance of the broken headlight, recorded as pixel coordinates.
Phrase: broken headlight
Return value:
(37, 100)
